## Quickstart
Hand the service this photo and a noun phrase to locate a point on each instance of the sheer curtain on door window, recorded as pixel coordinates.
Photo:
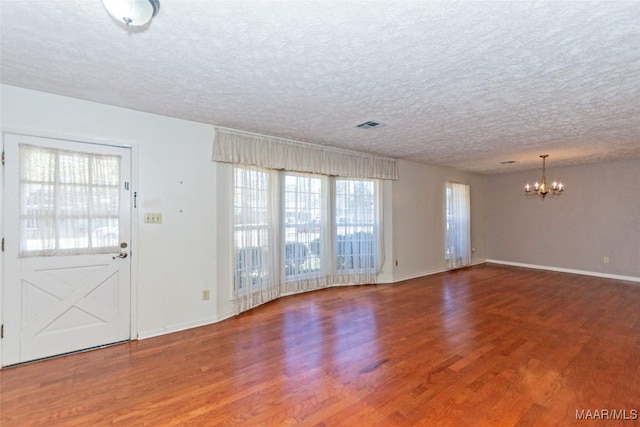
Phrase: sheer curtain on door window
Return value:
(69, 202)
(358, 231)
(458, 225)
(256, 237)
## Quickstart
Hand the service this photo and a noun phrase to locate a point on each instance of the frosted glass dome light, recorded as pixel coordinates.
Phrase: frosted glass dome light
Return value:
(134, 13)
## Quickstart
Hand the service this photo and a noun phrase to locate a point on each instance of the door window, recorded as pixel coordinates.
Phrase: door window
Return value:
(69, 202)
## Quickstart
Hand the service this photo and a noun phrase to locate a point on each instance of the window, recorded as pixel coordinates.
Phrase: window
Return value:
(303, 219)
(356, 224)
(251, 227)
(69, 202)
(307, 230)
(458, 226)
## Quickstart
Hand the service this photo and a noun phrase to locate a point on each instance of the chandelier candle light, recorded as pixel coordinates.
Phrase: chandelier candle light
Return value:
(541, 189)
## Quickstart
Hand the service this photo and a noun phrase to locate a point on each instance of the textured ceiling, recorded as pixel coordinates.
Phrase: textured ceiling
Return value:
(458, 84)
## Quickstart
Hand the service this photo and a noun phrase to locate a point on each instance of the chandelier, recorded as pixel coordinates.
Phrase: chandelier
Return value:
(541, 189)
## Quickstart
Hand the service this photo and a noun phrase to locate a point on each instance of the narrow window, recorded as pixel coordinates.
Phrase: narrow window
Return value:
(251, 229)
(356, 224)
(458, 225)
(303, 222)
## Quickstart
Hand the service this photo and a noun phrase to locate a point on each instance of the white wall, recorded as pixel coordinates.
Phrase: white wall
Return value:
(419, 218)
(174, 175)
(175, 260)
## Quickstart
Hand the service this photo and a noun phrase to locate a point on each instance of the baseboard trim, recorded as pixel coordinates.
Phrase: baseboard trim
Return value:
(415, 276)
(566, 270)
(429, 273)
(204, 322)
(180, 327)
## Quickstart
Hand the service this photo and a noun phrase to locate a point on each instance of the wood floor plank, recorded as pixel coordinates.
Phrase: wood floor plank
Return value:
(487, 345)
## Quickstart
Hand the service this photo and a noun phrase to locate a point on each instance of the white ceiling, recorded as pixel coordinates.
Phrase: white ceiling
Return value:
(458, 84)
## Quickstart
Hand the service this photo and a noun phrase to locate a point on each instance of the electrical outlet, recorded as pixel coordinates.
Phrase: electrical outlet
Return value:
(153, 218)
(205, 294)
(606, 260)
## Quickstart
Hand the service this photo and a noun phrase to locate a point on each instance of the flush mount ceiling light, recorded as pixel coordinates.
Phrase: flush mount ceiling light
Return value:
(541, 189)
(133, 13)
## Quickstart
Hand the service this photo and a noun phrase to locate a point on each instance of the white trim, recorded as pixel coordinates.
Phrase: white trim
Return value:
(432, 272)
(384, 277)
(205, 322)
(417, 275)
(40, 133)
(134, 178)
(134, 160)
(133, 244)
(181, 327)
(566, 270)
(3, 231)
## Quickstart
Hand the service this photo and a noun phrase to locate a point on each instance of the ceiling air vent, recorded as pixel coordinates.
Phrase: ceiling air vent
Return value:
(369, 125)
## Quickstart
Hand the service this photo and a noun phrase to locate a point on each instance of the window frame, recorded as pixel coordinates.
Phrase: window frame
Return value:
(256, 228)
(303, 228)
(375, 225)
(57, 216)
(329, 270)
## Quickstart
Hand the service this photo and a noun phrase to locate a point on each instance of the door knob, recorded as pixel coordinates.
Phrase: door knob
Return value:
(121, 255)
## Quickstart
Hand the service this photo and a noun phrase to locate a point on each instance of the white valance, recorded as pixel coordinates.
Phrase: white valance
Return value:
(238, 147)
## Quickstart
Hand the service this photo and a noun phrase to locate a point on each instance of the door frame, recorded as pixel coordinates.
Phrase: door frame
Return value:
(131, 145)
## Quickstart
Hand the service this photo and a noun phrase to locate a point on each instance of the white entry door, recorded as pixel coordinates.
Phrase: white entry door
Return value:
(67, 228)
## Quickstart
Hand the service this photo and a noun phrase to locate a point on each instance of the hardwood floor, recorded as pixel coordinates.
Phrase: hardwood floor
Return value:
(487, 345)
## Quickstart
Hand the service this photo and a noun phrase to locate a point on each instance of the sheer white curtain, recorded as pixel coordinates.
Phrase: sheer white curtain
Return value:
(458, 225)
(69, 202)
(256, 237)
(320, 234)
(297, 232)
(358, 231)
(306, 232)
